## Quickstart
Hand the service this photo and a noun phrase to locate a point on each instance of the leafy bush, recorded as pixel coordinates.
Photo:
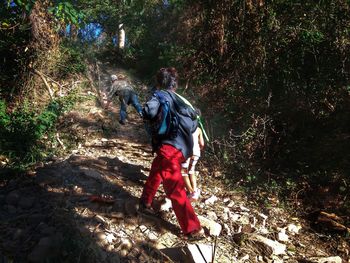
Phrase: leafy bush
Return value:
(71, 60)
(279, 73)
(23, 130)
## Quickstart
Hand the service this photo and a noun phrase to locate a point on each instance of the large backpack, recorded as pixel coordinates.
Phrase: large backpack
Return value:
(161, 121)
(194, 114)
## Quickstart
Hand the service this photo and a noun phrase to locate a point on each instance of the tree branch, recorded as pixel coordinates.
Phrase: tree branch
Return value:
(41, 75)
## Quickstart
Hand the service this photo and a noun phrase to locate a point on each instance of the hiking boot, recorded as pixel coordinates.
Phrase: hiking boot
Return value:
(122, 122)
(195, 235)
(140, 114)
(146, 209)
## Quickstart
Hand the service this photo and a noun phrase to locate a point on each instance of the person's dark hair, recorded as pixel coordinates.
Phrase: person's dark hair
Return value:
(172, 79)
(167, 78)
(160, 77)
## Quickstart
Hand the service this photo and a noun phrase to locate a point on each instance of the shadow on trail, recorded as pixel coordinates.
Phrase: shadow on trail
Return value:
(53, 218)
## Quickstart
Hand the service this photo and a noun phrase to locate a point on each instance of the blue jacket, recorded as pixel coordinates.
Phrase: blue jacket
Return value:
(187, 123)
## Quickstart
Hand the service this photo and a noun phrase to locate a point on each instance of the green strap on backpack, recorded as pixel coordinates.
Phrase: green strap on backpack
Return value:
(200, 121)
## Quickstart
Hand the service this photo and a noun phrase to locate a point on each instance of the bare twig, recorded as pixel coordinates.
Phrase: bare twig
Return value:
(269, 99)
(60, 142)
(9, 28)
(50, 79)
(41, 75)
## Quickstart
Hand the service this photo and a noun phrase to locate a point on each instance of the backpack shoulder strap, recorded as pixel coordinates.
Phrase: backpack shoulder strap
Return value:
(160, 95)
(184, 100)
(178, 102)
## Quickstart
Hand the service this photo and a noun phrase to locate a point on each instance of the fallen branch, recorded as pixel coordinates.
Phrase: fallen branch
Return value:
(47, 78)
(58, 84)
(10, 28)
(101, 199)
(41, 75)
(60, 142)
(333, 221)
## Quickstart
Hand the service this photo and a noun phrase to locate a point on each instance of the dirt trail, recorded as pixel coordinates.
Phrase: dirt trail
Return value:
(83, 207)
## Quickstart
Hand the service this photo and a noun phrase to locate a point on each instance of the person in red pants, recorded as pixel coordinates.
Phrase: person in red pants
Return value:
(166, 167)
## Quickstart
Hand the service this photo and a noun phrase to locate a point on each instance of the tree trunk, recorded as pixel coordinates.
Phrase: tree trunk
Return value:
(121, 37)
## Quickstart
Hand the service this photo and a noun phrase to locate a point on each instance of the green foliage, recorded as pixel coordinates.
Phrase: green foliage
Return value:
(108, 13)
(72, 60)
(26, 5)
(279, 71)
(22, 131)
(14, 36)
(64, 11)
(152, 40)
(312, 37)
(22, 43)
(67, 13)
(4, 117)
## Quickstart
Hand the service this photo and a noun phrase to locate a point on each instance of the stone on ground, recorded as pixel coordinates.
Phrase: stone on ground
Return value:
(277, 247)
(213, 227)
(336, 259)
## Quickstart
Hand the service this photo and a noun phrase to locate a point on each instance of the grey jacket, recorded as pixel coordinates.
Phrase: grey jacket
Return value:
(120, 88)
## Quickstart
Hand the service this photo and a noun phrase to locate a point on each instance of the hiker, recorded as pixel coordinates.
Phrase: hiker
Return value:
(166, 166)
(188, 170)
(126, 94)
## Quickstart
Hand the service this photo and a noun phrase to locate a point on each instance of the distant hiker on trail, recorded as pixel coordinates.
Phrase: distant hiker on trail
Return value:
(172, 150)
(121, 88)
(188, 168)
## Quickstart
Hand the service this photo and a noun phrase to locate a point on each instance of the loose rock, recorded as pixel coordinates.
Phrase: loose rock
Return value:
(213, 227)
(336, 259)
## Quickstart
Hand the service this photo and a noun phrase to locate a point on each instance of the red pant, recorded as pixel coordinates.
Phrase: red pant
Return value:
(166, 168)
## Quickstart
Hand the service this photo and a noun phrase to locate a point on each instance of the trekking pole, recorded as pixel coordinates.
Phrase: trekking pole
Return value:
(202, 127)
(215, 244)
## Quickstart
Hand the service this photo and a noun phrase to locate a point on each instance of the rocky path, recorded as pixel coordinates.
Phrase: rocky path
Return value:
(82, 207)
